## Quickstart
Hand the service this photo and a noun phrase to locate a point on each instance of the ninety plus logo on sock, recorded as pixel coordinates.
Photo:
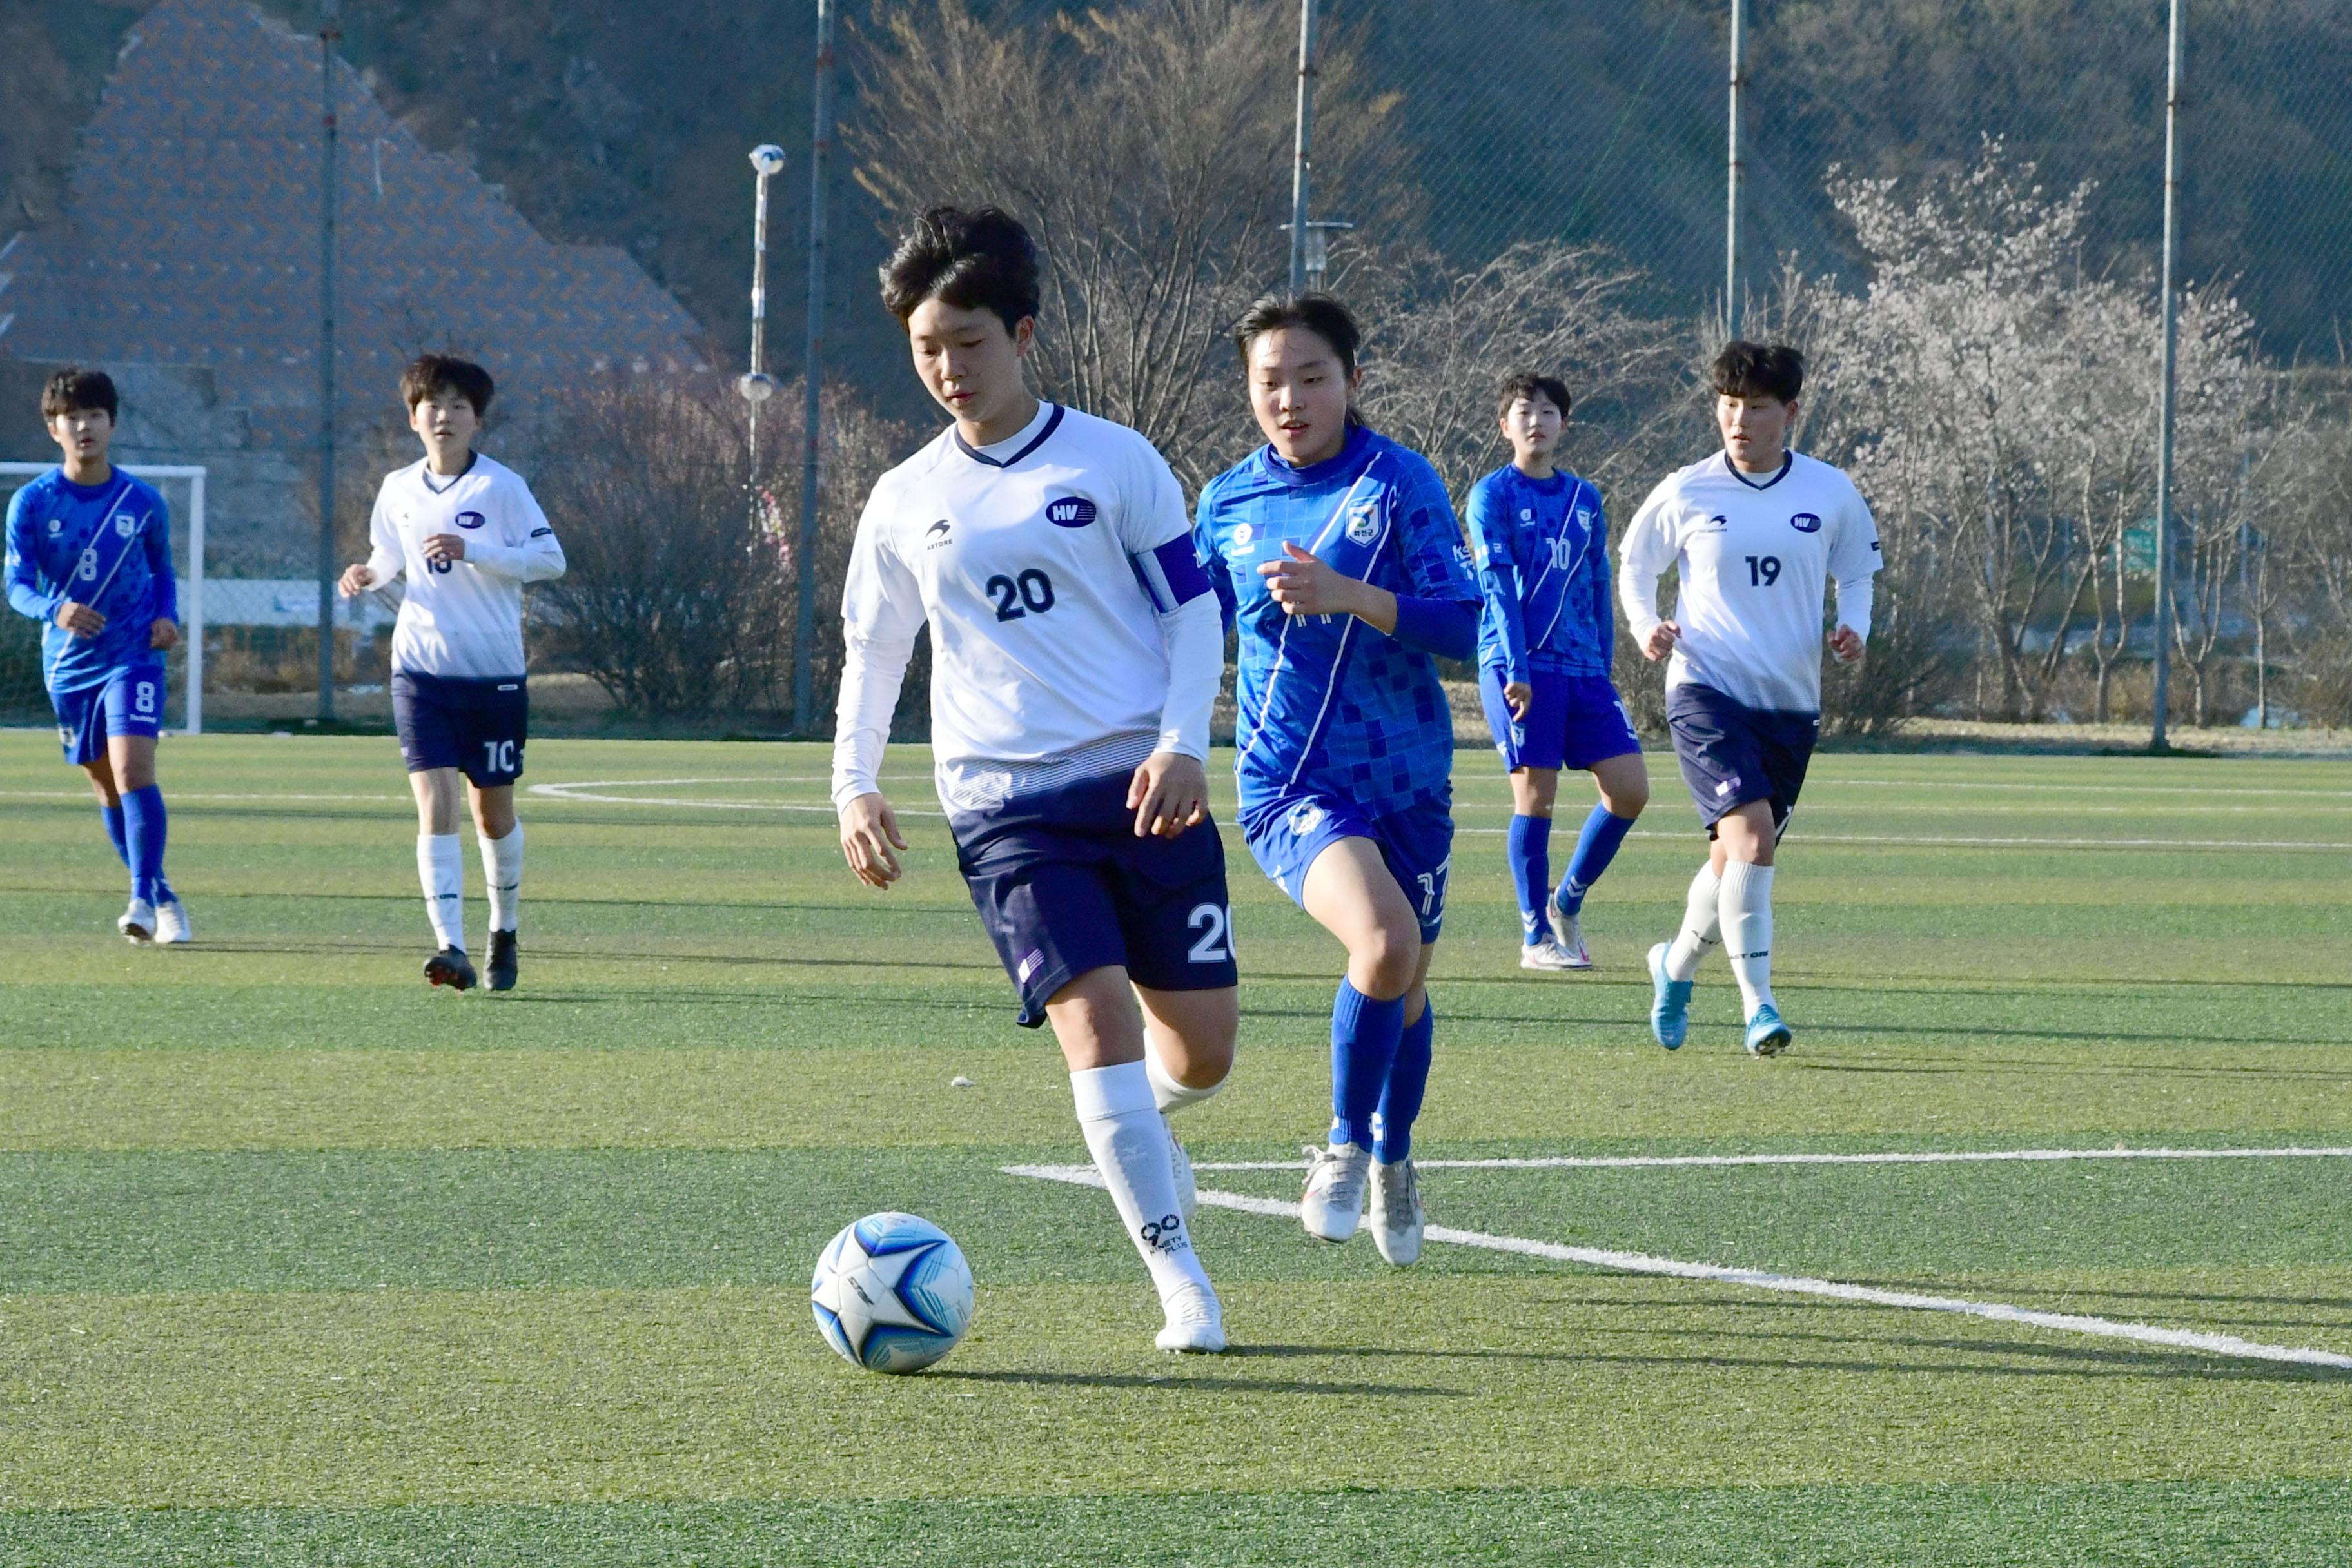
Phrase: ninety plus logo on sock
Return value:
(1165, 1235)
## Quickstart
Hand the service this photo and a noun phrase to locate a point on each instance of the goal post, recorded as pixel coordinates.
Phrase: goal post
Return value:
(192, 598)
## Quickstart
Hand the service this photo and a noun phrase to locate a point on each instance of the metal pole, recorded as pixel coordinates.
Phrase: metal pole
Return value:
(195, 609)
(1300, 161)
(327, 35)
(1731, 183)
(759, 306)
(811, 371)
(2161, 694)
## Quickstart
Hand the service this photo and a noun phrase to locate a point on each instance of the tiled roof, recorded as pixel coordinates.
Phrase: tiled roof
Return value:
(191, 236)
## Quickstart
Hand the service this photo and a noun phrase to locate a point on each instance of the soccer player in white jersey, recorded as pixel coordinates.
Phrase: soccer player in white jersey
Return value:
(1076, 652)
(465, 532)
(1756, 532)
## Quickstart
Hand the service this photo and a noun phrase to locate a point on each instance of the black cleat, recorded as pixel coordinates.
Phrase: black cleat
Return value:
(449, 967)
(504, 961)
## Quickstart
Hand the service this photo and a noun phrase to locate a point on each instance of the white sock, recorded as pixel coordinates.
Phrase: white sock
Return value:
(1702, 920)
(441, 871)
(1167, 1093)
(1747, 930)
(1129, 1143)
(502, 868)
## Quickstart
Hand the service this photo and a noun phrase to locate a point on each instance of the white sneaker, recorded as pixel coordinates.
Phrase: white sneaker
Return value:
(1546, 954)
(1180, 1166)
(1196, 1322)
(1333, 1203)
(138, 922)
(1393, 1211)
(172, 923)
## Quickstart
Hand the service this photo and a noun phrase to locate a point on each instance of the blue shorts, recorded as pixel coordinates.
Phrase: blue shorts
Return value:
(475, 726)
(1064, 886)
(1572, 722)
(128, 702)
(1287, 832)
(1731, 754)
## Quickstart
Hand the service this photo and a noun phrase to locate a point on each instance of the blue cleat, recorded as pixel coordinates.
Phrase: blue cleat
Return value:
(1766, 1036)
(1670, 1007)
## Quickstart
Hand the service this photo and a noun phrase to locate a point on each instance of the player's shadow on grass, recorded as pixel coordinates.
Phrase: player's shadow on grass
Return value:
(1219, 1384)
(2050, 1360)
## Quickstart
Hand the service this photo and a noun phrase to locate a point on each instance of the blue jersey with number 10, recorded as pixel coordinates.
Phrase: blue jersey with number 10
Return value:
(107, 546)
(1327, 704)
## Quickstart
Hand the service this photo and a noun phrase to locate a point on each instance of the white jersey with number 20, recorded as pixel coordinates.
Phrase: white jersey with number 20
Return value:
(1755, 559)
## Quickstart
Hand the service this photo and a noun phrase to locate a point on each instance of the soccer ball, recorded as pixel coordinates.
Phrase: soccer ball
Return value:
(892, 1293)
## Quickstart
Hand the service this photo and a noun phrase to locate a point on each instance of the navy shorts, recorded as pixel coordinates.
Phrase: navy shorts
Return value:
(1287, 832)
(1572, 721)
(1731, 754)
(1064, 886)
(128, 702)
(474, 726)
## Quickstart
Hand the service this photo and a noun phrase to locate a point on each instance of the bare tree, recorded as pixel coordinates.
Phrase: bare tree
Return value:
(1442, 339)
(1148, 149)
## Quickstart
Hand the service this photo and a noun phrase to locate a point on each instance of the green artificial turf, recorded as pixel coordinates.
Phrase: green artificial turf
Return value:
(301, 1262)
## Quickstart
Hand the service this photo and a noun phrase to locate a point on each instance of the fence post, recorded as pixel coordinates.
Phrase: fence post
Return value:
(1302, 149)
(2167, 397)
(813, 379)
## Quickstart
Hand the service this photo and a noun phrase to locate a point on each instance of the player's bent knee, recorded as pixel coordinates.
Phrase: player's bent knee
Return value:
(1387, 956)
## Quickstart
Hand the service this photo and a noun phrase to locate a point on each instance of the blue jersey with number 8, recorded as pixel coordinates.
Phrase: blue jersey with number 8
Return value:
(105, 546)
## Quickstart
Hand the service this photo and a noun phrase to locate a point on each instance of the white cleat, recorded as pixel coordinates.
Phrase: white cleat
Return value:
(1333, 1203)
(1196, 1323)
(1570, 938)
(1180, 1166)
(138, 922)
(1547, 953)
(172, 923)
(1394, 1211)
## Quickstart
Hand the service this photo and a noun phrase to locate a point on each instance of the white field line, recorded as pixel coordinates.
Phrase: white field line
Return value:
(245, 798)
(1792, 1284)
(1966, 1157)
(590, 791)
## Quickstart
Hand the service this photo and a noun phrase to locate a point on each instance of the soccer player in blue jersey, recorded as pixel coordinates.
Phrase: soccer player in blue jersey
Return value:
(1546, 643)
(89, 556)
(1337, 552)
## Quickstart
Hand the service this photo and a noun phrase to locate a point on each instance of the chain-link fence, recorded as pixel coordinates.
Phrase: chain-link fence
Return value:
(1955, 210)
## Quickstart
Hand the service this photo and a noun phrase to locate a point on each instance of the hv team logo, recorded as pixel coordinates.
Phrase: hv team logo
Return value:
(1070, 511)
(1363, 526)
(470, 519)
(1806, 522)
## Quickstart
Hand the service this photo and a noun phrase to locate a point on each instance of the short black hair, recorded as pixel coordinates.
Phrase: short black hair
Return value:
(980, 259)
(75, 388)
(1530, 386)
(430, 373)
(1759, 370)
(1319, 313)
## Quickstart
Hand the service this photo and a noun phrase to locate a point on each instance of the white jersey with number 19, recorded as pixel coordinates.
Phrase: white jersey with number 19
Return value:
(461, 620)
(1755, 558)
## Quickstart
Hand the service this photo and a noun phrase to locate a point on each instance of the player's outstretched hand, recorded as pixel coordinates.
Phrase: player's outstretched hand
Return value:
(1847, 643)
(1169, 793)
(444, 547)
(357, 580)
(1304, 585)
(1660, 640)
(164, 634)
(80, 619)
(869, 839)
(1517, 695)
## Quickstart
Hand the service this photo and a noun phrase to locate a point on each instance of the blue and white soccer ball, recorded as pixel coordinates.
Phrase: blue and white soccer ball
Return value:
(892, 1293)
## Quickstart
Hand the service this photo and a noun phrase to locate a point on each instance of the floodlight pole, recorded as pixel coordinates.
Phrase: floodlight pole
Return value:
(2160, 694)
(1731, 181)
(813, 375)
(1301, 161)
(756, 384)
(329, 32)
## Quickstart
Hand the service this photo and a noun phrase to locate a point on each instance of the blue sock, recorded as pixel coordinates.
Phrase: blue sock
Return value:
(116, 833)
(1529, 847)
(1363, 1045)
(1408, 1083)
(1604, 830)
(143, 827)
